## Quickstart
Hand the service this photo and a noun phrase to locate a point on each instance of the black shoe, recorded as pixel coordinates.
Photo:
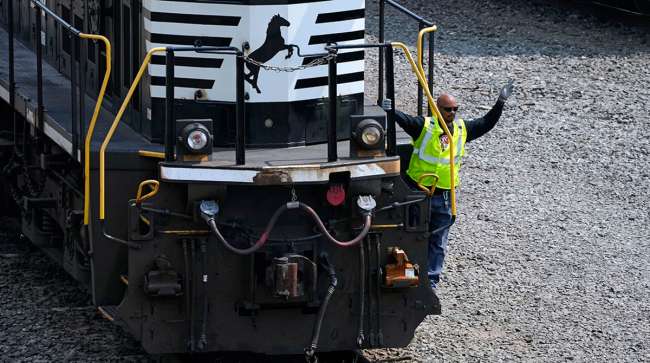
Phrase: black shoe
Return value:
(436, 308)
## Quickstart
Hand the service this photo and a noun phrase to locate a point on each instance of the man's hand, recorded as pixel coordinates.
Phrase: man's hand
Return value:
(506, 91)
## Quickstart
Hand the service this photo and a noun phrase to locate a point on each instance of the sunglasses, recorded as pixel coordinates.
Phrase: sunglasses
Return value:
(449, 109)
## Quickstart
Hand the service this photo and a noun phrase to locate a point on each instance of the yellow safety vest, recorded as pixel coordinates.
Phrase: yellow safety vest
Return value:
(429, 157)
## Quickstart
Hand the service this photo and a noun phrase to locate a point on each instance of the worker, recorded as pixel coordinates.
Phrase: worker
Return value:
(431, 156)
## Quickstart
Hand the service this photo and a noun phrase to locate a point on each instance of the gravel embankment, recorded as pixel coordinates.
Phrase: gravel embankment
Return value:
(45, 316)
(550, 257)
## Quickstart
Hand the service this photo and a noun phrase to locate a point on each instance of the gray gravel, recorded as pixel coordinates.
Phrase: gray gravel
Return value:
(549, 258)
(45, 316)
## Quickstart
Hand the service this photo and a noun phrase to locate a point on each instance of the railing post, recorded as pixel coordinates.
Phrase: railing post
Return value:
(73, 88)
(380, 86)
(39, 70)
(391, 148)
(83, 58)
(332, 152)
(170, 117)
(420, 92)
(12, 76)
(432, 45)
(240, 144)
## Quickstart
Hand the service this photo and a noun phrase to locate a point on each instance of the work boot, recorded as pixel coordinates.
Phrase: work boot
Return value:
(436, 308)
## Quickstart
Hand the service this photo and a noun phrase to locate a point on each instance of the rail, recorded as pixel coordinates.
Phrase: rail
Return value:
(422, 24)
(76, 99)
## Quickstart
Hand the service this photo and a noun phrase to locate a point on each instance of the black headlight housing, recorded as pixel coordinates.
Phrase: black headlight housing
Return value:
(194, 141)
(368, 134)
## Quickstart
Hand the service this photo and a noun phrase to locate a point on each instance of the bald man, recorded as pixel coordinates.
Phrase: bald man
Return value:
(431, 157)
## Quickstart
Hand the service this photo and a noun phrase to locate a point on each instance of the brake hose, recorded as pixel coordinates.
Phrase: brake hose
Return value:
(209, 210)
(331, 272)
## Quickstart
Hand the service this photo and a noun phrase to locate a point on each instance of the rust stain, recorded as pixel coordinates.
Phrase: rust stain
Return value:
(191, 157)
(272, 177)
(390, 167)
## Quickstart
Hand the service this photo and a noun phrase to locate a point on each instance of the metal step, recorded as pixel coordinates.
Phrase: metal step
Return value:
(109, 312)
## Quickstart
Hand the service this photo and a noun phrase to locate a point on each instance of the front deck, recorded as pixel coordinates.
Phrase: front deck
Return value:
(58, 126)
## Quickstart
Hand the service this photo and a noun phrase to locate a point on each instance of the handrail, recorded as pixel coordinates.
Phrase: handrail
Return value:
(93, 121)
(116, 122)
(100, 98)
(56, 17)
(430, 29)
(422, 24)
(408, 12)
(125, 103)
(438, 115)
(152, 154)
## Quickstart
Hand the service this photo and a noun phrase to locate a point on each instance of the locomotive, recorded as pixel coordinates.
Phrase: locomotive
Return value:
(212, 172)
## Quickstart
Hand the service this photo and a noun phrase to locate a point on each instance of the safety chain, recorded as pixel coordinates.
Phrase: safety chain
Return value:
(313, 63)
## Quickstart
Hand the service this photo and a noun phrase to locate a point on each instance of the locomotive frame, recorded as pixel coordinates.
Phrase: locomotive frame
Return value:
(160, 263)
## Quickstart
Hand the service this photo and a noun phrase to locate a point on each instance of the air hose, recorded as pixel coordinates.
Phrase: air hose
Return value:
(362, 294)
(203, 340)
(311, 349)
(209, 210)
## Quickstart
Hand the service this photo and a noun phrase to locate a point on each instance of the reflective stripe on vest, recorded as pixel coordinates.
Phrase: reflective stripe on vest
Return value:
(433, 160)
(429, 158)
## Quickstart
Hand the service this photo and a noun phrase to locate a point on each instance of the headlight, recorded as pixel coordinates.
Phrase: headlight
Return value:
(196, 138)
(369, 133)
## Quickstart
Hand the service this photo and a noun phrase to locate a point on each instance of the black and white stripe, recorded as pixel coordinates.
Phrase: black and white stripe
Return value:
(314, 24)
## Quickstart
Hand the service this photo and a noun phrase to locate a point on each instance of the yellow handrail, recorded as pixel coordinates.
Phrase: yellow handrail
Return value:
(434, 108)
(111, 131)
(151, 154)
(419, 44)
(93, 121)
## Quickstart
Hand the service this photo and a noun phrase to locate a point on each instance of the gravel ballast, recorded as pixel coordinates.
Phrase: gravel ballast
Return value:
(550, 257)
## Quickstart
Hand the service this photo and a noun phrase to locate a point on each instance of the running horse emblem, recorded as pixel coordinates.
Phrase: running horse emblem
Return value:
(273, 44)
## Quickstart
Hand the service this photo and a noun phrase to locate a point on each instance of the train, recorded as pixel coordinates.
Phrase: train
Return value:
(214, 173)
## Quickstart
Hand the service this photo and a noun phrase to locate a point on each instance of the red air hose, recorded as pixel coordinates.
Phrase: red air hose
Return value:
(321, 226)
(269, 227)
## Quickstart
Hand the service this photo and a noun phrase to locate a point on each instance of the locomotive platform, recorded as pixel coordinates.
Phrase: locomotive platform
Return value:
(57, 93)
(57, 123)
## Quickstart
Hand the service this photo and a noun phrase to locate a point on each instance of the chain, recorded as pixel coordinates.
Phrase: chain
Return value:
(313, 63)
(294, 196)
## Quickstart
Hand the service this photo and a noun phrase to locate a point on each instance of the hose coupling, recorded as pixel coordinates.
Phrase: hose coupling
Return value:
(209, 209)
(310, 355)
(366, 204)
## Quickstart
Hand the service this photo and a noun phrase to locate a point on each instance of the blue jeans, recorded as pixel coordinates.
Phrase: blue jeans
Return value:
(439, 221)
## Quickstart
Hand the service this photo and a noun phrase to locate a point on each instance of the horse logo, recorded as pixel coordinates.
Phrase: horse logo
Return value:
(273, 44)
